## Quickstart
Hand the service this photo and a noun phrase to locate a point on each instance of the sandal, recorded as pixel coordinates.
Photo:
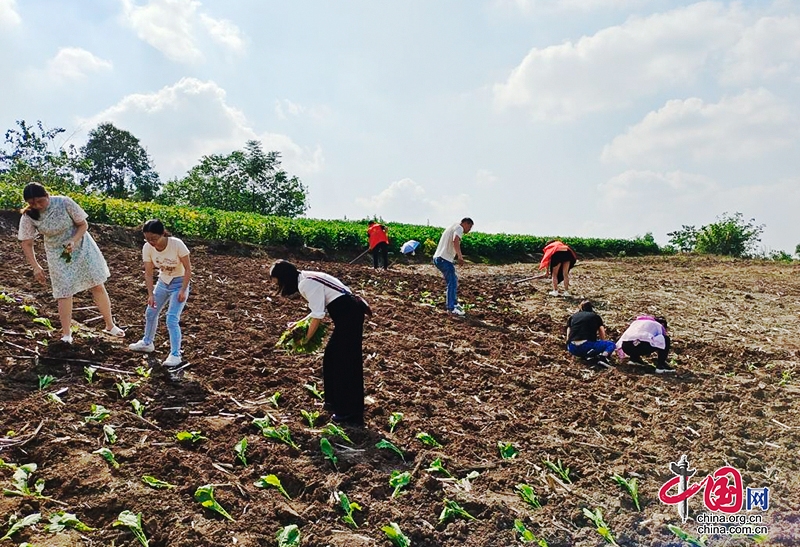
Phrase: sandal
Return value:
(116, 331)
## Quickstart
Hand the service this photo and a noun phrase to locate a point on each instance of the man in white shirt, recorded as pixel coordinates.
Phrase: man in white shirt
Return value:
(447, 251)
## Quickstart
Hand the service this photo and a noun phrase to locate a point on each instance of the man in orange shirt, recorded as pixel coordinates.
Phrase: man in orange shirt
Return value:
(378, 243)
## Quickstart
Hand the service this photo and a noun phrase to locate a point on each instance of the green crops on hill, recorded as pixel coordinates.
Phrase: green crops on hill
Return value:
(331, 235)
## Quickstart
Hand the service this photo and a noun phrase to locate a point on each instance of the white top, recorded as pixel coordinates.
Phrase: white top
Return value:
(167, 261)
(446, 249)
(644, 330)
(319, 295)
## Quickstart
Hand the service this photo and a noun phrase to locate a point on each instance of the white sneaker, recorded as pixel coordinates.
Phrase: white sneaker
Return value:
(457, 311)
(553, 293)
(67, 339)
(142, 347)
(172, 361)
(567, 293)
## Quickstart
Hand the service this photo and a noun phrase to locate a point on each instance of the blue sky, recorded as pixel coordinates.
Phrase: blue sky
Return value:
(604, 118)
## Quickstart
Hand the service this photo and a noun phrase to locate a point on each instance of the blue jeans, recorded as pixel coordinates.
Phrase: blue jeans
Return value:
(591, 349)
(448, 270)
(166, 294)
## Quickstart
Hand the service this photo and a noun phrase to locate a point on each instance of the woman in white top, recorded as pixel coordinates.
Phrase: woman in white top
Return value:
(343, 362)
(171, 256)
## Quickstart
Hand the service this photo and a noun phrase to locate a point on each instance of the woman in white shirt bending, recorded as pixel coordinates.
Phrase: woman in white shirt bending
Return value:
(171, 256)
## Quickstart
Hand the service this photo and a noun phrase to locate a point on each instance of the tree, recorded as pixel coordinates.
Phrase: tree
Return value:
(730, 235)
(118, 166)
(248, 180)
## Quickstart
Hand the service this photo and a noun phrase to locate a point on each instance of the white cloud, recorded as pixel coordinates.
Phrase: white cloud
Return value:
(284, 108)
(619, 64)
(767, 50)
(485, 178)
(528, 7)
(74, 63)
(171, 26)
(8, 14)
(183, 122)
(742, 127)
(408, 200)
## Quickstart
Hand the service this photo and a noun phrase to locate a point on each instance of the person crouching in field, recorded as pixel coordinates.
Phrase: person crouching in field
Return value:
(583, 330)
(378, 243)
(343, 361)
(560, 259)
(74, 260)
(171, 256)
(647, 334)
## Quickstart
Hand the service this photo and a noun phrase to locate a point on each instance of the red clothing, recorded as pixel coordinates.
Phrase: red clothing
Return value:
(552, 249)
(377, 234)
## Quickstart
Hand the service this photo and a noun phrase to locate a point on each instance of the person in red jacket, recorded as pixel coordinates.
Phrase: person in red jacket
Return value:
(559, 258)
(378, 243)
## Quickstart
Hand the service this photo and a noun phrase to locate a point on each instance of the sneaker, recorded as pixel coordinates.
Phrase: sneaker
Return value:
(602, 360)
(636, 361)
(567, 293)
(553, 293)
(664, 369)
(172, 361)
(142, 347)
(67, 339)
(458, 312)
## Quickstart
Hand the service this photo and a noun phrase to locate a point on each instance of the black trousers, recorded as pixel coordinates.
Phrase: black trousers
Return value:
(637, 351)
(343, 362)
(381, 249)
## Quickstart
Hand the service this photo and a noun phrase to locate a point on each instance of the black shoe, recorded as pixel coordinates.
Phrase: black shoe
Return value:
(603, 361)
(348, 419)
(636, 361)
(664, 369)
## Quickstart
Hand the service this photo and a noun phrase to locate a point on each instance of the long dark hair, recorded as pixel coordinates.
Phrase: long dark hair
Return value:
(286, 273)
(31, 191)
(155, 226)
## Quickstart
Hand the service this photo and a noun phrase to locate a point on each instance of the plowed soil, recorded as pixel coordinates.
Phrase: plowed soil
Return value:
(500, 374)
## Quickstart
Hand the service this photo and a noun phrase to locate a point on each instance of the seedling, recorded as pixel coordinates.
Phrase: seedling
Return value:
(293, 340)
(394, 420)
(528, 495)
(507, 450)
(631, 487)
(396, 535)
(125, 388)
(786, 377)
(428, 440)
(314, 391)
(240, 450)
(311, 417)
(55, 398)
(143, 372)
(289, 536)
(688, 538)
(336, 431)
(18, 524)
(134, 523)
(60, 521)
(526, 536)
(280, 433)
(205, 495)
(602, 527)
(107, 456)
(153, 482)
(30, 310)
(348, 507)
(274, 399)
(558, 468)
(194, 436)
(398, 480)
(109, 434)
(327, 451)
(465, 484)
(262, 423)
(437, 467)
(138, 407)
(272, 480)
(453, 509)
(383, 443)
(7, 299)
(66, 255)
(88, 373)
(19, 481)
(98, 414)
(45, 381)
(45, 322)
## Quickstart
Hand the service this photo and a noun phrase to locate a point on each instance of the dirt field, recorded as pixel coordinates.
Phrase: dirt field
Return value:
(502, 374)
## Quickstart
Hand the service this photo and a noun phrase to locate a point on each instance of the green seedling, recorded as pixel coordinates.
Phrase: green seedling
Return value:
(19, 482)
(240, 450)
(310, 417)
(280, 433)
(274, 398)
(98, 413)
(688, 538)
(7, 299)
(383, 443)
(143, 372)
(45, 381)
(336, 431)
(194, 436)
(528, 495)
(453, 509)
(45, 322)
(428, 440)
(558, 468)
(30, 310)
(786, 377)
(314, 391)
(66, 256)
(134, 523)
(394, 420)
(272, 480)
(396, 535)
(138, 407)
(60, 521)
(465, 484)
(507, 450)
(55, 398)
(108, 456)
(153, 482)
(602, 527)
(631, 487)
(88, 373)
(205, 495)
(526, 536)
(293, 340)
(125, 388)
(327, 451)
(17, 524)
(289, 536)
(348, 507)
(262, 423)
(399, 480)
(109, 435)
(437, 467)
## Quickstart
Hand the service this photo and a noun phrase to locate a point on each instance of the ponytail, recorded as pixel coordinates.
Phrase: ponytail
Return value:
(33, 190)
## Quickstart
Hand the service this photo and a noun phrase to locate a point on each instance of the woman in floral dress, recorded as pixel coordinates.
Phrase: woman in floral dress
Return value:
(74, 261)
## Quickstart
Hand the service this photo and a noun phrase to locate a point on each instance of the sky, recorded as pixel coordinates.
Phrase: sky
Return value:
(591, 118)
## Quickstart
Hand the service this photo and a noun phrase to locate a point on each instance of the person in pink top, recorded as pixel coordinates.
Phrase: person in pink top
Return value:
(647, 334)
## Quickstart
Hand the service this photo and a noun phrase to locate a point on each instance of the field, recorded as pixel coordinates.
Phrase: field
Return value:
(500, 375)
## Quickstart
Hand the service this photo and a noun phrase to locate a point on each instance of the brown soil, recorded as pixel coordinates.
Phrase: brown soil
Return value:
(502, 374)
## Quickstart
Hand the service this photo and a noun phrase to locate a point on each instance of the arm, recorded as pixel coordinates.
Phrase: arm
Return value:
(312, 328)
(457, 247)
(567, 339)
(30, 256)
(601, 331)
(75, 240)
(148, 281)
(187, 277)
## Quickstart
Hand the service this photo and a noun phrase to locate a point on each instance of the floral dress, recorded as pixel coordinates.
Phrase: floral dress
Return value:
(87, 268)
